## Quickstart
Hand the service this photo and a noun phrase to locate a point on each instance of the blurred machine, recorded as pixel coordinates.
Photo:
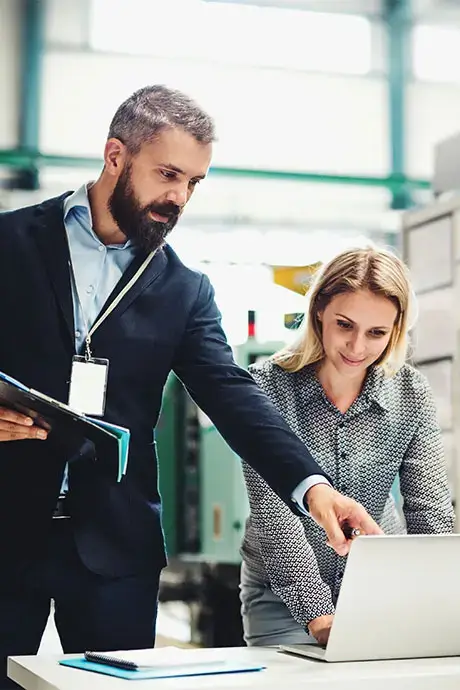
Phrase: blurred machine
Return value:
(295, 278)
(446, 176)
(204, 509)
(431, 248)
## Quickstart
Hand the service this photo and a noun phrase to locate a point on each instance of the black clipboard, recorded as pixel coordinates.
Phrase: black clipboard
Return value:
(60, 419)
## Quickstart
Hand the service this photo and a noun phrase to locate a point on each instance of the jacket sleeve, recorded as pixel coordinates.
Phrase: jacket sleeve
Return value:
(423, 478)
(288, 557)
(241, 412)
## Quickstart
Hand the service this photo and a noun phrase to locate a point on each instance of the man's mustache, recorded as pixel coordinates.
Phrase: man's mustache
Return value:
(167, 210)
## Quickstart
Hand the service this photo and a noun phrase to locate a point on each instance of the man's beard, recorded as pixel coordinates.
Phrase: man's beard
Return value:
(135, 221)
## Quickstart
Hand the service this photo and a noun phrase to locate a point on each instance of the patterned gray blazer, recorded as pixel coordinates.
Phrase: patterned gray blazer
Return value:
(391, 429)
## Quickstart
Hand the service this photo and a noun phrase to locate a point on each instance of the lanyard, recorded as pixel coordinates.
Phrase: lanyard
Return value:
(112, 305)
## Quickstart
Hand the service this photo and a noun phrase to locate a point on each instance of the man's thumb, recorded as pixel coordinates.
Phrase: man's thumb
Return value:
(335, 536)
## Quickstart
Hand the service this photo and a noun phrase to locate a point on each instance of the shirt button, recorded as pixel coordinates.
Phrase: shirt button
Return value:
(90, 289)
(100, 248)
(77, 334)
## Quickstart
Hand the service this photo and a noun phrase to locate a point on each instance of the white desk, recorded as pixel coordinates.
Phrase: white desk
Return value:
(282, 672)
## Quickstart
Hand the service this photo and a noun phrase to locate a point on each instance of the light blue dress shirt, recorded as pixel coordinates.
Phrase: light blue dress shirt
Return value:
(97, 268)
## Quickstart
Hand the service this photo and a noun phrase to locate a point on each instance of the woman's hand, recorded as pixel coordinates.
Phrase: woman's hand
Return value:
(320, 628)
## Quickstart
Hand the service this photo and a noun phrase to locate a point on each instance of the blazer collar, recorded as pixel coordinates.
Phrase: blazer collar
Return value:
(49, 233)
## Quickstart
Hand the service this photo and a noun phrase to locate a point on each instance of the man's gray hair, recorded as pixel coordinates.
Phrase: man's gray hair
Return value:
(153, 109)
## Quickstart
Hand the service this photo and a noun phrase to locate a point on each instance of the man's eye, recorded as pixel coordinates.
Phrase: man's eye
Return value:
(168, 174)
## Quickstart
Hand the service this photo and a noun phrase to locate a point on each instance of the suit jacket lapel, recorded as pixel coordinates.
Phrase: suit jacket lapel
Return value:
(151, 273)
(48, 232)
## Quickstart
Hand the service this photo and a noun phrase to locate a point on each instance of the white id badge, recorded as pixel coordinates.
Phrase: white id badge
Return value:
(88, 383)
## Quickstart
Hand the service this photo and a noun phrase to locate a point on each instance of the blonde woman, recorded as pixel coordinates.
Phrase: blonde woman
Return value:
(367, 417)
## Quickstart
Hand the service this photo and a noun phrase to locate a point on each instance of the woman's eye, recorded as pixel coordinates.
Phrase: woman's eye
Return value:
(344, 324)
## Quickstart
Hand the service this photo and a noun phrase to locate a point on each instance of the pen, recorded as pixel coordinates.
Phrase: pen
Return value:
(350, 532)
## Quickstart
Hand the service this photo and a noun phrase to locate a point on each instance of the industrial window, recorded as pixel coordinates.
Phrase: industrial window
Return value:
(436, 53)
(233, 34)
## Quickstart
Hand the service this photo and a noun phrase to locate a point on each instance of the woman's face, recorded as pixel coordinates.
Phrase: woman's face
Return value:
(356, 328)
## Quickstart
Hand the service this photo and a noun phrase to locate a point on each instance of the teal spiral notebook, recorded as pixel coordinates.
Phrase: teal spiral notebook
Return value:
(163, 671)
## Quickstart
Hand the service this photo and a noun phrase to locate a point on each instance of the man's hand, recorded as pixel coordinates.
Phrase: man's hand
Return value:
(320, 628)
(332, 511)
(17, 427)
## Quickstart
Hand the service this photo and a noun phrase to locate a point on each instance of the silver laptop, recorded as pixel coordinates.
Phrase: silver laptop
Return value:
(400, 599)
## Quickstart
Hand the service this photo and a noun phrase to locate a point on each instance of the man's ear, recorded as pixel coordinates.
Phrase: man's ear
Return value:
(115, 155)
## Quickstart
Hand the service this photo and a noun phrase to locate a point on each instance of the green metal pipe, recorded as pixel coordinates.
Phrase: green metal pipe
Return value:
(397, 18)
(32, 39)
(20, 158)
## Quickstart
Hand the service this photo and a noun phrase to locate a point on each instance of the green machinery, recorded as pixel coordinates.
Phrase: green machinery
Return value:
(204, 510)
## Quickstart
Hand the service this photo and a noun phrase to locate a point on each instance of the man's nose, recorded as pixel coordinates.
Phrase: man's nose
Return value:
(178, 194)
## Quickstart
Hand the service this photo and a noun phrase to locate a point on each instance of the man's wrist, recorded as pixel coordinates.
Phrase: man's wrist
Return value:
(322, 481)
(300, 492)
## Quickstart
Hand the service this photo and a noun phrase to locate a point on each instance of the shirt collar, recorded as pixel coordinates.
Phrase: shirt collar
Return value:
(311, 387)
(376, 386)
(80, 200)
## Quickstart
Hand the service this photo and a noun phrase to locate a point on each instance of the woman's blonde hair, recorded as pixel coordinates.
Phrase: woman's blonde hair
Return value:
(368, 268)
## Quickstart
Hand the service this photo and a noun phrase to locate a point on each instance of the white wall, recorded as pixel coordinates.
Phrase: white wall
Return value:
(265, 118)
(371, 7)
(9, 72)
(67, 22)
(433, 114)
(433, 98)
(290, 120)
(445, 11)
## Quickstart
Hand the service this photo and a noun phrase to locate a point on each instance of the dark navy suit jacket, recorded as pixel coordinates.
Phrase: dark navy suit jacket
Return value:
(167, 321)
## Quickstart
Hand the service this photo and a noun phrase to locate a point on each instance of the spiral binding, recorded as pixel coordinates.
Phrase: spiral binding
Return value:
(111, 661)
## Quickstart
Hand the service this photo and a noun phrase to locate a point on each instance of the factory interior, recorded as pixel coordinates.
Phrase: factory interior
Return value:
(338, 124)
